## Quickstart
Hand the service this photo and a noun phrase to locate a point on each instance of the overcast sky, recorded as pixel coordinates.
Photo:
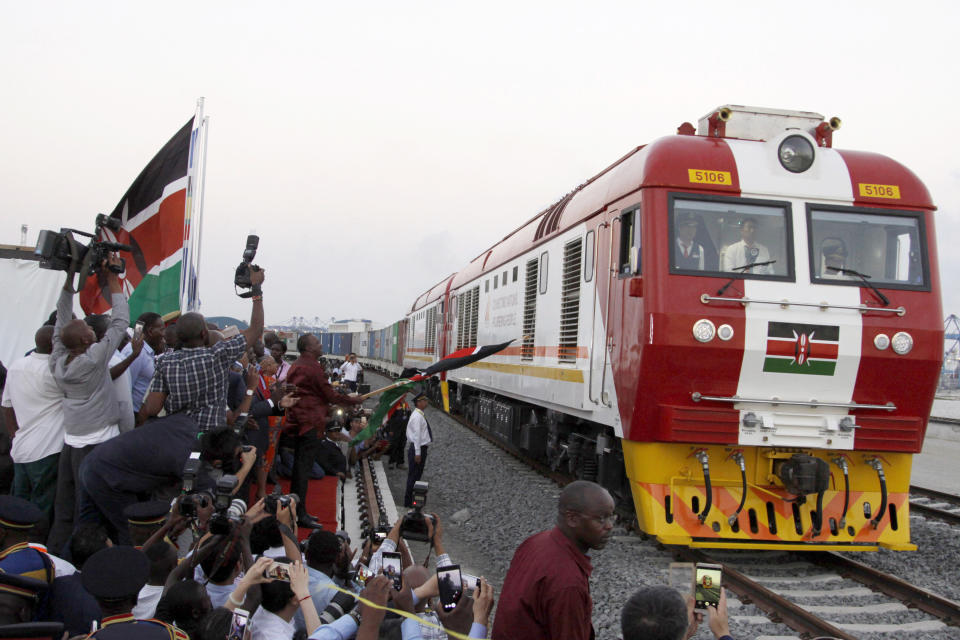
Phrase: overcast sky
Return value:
(377, 147)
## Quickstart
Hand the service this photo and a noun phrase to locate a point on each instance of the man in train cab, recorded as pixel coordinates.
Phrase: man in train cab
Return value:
(546, 595)
(740, 255)
(175, 381)
(662, 613)
(833, 258)
(689, 254)
(308, 418)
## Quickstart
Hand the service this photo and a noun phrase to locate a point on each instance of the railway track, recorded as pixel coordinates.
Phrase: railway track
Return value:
(792, 589)
(944, 420)
(935, 504)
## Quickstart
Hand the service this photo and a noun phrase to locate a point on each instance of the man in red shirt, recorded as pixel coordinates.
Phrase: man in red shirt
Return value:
(309, 416)
(547, 591)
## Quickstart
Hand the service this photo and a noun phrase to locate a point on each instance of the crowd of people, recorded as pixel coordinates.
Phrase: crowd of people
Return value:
(139, 504)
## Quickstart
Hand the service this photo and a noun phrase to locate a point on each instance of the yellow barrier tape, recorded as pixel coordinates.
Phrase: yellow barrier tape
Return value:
(405, 614)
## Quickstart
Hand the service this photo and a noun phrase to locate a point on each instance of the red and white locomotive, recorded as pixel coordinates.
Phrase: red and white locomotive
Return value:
(738, 325)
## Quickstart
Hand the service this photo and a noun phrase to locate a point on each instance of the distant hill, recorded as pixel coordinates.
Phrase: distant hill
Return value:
(226, 321)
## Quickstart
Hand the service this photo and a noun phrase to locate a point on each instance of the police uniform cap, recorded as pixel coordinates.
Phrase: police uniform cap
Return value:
(417, 397)
(17, 513)
(147, 513)
(21, 585)
(686, 218)
(115, 572)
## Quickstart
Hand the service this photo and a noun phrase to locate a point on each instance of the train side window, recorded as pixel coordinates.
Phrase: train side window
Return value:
(515, 272)
(544, 261)
(504, 278)
(588, 257)
(630, 243)
(496, 279)
(486, 286)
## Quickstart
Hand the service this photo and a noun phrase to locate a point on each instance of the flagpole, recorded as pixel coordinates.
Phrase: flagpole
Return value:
(186, 253)
(387, 388)
(205, 129)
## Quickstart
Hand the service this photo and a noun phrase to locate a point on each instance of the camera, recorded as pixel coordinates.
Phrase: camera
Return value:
(190, 499)
(59, 250)
(241, 278)
(275, 502)
(414, 525)
(227, 510)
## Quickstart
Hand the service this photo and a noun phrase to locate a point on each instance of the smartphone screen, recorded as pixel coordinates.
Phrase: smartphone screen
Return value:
(238, 625)
(278, 571)
(450, 585)
(391, 568)
(138, 330)
(707, 584)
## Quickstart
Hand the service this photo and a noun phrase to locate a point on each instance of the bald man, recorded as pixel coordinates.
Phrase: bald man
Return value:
(193, 379)
(81, 368)
(547, 590)
(33, 412)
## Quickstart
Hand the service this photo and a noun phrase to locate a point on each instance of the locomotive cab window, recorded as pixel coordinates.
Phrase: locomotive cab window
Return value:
(630, 243)
(730, 237)
(848, 245)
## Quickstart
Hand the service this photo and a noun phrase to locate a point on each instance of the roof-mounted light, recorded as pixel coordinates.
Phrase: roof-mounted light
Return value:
(796, 154)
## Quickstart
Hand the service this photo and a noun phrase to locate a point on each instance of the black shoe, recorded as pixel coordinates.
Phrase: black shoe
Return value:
(308, 522)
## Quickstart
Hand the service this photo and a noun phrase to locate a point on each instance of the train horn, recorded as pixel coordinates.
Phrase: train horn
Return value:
(834, 123)
(724, 114)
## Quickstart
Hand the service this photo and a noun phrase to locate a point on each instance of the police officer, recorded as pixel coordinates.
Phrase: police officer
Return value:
(17, 518)
(114, 576)
(145, 519)
(18, 599)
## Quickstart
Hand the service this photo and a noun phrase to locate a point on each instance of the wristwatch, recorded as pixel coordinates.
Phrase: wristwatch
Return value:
(249, 392)
(355, 614)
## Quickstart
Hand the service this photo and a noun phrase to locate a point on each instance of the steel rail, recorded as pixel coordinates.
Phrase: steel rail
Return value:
(935, 512)
(946, 610)
(778, 608)
(944, 420)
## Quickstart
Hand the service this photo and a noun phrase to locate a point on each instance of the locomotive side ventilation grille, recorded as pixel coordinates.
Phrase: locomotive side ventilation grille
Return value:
(468, 312)
(570, 301)
(529, 310)
(431, 329)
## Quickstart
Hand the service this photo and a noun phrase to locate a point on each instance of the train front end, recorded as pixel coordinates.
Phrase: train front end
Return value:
(782, 374)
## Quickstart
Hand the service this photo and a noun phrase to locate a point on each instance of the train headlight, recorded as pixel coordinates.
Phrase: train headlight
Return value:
(902, 342)
(796, 154)
(725, 332)
(881, 341)
(703, 330)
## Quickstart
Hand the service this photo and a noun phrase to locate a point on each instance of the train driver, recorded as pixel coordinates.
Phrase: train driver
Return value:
(688, 254)
(833, 256)
(747, 251)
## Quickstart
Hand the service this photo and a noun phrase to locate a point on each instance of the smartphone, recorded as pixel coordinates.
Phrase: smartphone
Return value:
(472, 581)
(138, 330)
(278, 571)
(450, 584)
(391, 568)
(238, 626)
(707, 580)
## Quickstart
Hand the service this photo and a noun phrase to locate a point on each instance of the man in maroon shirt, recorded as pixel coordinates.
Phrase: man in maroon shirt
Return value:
(308, 416)
(547, 591)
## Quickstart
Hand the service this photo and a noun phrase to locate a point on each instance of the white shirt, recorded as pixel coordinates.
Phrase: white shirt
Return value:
(121, 387)
(147, 602)
(350, 371)
(60, 566)
(265, 625)
(735, 256)
(417, 433)
(37, 401)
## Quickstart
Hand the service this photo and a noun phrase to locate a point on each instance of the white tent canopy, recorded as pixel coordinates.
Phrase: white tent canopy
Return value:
(29, 295)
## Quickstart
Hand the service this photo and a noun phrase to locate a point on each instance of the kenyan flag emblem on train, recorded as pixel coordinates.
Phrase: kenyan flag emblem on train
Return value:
(802, 348)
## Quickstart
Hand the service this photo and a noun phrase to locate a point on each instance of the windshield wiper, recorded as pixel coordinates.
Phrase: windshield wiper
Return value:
(743, 267)
(864, 278)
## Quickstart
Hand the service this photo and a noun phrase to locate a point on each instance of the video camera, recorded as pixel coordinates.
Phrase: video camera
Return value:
(227, 510)
(241, 278)
(414, 525)
(59, 250)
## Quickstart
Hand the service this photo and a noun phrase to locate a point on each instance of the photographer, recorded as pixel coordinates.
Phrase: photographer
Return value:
(80, 367)
(193, 379)
(662, 613)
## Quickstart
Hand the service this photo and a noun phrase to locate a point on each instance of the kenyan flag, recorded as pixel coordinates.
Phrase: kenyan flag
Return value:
(152, 211)
(802, 348)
